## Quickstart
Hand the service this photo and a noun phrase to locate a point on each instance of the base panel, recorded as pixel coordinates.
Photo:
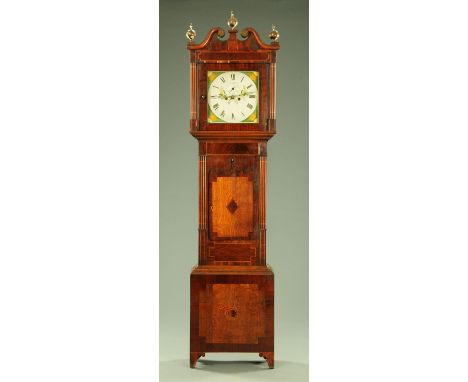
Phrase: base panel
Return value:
(232, 310)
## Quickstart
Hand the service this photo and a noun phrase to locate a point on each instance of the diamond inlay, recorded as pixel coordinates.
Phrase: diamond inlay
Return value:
(232, 206)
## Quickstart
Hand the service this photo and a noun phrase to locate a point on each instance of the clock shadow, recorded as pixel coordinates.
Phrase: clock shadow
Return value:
(231, 367)
(249, 370)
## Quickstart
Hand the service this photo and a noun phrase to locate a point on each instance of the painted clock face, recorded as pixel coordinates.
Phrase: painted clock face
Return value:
(233, 97)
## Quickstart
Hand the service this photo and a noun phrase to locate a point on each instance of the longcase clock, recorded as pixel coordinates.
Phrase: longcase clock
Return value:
(232, 115)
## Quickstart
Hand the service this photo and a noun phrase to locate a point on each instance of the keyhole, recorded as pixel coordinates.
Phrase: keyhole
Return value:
(233, 313)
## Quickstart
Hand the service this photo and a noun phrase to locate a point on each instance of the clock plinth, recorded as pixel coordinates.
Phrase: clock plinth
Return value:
(232, 115)
(232, 310)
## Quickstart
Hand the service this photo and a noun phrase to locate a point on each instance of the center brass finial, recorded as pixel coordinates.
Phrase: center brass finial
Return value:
(232, 22)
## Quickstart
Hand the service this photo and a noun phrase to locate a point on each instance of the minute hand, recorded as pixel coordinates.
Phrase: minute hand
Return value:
(245, 92)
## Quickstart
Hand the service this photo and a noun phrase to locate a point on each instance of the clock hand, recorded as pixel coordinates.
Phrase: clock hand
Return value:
(222, 94)
(244, 92)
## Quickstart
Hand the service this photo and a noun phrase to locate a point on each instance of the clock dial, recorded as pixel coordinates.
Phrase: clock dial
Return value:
(233, 97)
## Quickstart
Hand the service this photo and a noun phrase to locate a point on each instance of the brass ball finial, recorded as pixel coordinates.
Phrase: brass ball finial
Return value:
(191, 33)
(274, 34)
(232, 22)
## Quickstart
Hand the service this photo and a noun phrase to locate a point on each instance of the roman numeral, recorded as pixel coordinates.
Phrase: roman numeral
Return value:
(223, 113)
(233, 76)
(250, 106)
(232, 115)
(215, 86)
(215, 106)
(252, 96)
(242, 79)
(222, 79)
(249, 86)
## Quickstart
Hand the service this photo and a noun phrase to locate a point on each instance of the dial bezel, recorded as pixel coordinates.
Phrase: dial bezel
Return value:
(253, 117)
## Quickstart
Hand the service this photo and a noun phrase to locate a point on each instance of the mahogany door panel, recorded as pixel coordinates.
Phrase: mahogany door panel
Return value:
(232, 197)
(231, 206)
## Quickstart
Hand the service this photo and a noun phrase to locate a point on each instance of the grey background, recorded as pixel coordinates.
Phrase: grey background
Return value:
(287, 189)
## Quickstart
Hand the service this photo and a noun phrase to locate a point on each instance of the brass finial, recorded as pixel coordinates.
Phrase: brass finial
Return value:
(232, 22)
(191, 33)
(274, 34)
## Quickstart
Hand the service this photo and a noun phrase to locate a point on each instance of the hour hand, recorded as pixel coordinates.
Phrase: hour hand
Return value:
(222, 94)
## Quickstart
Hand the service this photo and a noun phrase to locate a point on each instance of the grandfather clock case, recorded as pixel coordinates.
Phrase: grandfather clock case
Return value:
(232, 115)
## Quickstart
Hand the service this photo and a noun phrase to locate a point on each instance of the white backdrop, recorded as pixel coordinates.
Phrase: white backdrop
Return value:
(389, 186)
(78, 191)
